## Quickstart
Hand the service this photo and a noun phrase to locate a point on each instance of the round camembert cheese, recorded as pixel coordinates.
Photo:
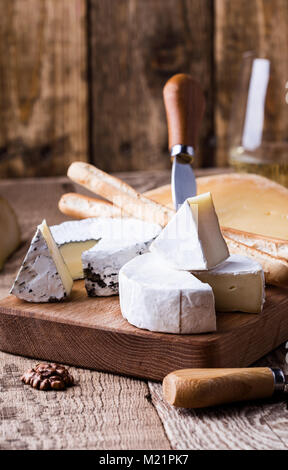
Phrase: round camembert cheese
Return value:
(158, 298)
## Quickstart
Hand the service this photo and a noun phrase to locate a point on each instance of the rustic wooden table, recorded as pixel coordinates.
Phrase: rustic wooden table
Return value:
(106, 411)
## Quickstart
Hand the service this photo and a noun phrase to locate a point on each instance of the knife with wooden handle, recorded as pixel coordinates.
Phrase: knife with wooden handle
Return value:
(185, 103)
(200, 388)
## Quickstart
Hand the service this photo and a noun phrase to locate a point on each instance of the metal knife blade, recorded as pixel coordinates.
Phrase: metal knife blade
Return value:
(183, 182)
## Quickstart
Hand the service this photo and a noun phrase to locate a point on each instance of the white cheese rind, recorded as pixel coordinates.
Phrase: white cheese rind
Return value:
(76, 231)
(121, 240)
(73, 237)
(43, 276)
(192, 240)
(238, 284)
(101, 264)
(104, 227)
(157, 298)
(76, 236)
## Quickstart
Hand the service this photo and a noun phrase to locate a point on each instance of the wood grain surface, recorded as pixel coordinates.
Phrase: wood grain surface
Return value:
(256, 425)
(103, 411)
(135, 47)
(54, 53)
(43, 89)
(89, 332)
(108, 411)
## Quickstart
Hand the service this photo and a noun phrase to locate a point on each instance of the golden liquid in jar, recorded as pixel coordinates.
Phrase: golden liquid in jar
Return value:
(276, 171)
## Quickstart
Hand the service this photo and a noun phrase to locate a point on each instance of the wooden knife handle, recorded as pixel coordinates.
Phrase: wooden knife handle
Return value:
(199, 388)
(185, 104)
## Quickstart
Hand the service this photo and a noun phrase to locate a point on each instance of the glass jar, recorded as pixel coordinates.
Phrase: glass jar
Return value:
(258, 131)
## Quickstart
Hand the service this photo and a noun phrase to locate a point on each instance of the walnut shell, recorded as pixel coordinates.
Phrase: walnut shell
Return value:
(48, 376)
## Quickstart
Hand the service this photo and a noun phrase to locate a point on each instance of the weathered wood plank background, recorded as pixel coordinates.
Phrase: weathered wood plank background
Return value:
(135, 47)
(82, 79)
(43, 87)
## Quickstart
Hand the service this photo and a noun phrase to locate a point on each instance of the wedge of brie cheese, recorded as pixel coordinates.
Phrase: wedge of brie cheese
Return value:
(238, 285)
(43, 276)
(77, 236)
(192, 240)
(101, 264)
(74, 237)
(157, 298)
(71, 252)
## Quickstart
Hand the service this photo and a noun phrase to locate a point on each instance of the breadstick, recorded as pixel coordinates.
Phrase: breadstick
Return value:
(82, 207)
(120, 193)
(275, 269)
(272, 246)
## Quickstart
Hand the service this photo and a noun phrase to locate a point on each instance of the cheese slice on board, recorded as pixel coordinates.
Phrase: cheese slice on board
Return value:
(247, 202)
(238, 285)
(72, 252)
(43, 276)
(192, 240)
(74, 237)
(77, 236)
(157, 298)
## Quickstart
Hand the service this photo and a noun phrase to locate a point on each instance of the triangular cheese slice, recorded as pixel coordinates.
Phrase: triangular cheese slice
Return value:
(43, 276)
(192, 240)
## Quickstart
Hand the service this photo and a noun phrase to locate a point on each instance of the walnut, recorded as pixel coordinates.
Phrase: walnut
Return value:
(48, 377)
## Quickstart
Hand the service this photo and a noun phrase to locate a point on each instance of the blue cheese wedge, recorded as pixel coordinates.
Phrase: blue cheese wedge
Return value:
(157, 298)
(101, 264)
(238, 285)
(192, 240)
(43, 276)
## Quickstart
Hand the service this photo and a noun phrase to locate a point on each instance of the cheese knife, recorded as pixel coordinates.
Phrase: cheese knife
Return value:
(200, 388)
(184, 103)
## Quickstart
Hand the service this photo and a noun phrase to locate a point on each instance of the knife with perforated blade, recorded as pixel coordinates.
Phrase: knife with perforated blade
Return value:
(185, 103)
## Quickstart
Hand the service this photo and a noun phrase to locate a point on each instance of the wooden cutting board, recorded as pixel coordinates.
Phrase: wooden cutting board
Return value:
(91, 333)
